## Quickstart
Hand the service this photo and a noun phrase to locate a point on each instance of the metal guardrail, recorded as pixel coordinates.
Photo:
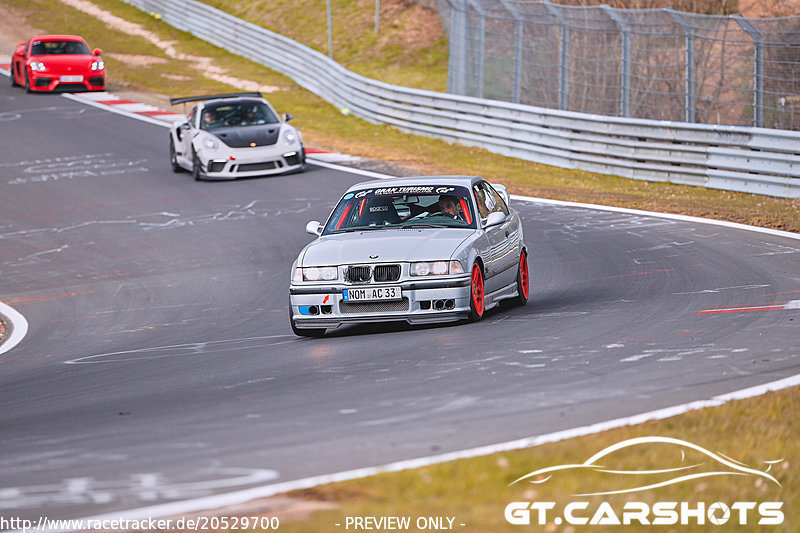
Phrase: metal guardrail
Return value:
(753, 160)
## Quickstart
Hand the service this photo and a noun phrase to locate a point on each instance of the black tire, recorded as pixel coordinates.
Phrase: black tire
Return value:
(305, 332)
(523, 280)
(173, 157)
(477, 303)
(27, 84)
(196, 167)
(13, 80)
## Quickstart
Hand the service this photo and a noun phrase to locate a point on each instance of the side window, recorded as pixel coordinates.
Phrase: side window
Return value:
(488, 200)
(500, 204)
(482, 201)
(192, 115)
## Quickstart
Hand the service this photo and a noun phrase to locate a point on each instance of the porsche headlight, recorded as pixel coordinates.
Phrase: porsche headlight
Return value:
(320, 273)
(38, 66)
(290, 136)
(436, 268)
(98, 65)
(211, 143)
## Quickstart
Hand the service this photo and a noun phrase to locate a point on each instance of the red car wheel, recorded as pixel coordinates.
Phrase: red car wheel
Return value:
(476, 301)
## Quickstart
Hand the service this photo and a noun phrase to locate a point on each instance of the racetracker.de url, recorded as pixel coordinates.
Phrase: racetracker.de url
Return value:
(200, 523)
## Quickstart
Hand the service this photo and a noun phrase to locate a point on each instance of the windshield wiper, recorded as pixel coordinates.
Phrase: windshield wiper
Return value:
(362, 228)
(424, 225)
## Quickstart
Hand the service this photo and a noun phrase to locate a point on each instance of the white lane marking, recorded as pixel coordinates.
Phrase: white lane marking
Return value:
(19, 327)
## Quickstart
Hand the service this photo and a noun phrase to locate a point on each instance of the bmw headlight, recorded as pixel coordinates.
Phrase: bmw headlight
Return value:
(320, 273)
(38, 66)
(436, 268)
(98, 65)
(211, 143)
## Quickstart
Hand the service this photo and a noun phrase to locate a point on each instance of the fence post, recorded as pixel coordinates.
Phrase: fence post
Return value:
(481, 45)
(563, 69)
(330, 28)
(689, 76)
(518, 20)
(625, 91)
(758, 68)
(457, 62)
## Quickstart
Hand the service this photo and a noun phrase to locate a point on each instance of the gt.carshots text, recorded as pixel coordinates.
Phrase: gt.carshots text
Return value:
(609, 473)
(581, 513)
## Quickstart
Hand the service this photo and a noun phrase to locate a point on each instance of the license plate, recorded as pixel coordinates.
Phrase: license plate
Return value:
(71, 79)
(372, 294)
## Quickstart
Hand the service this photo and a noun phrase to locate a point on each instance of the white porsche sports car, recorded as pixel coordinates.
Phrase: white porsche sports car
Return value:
(231, 136)
(419, 249)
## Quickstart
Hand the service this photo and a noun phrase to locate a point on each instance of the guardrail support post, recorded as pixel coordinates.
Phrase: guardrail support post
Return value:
(758, 69)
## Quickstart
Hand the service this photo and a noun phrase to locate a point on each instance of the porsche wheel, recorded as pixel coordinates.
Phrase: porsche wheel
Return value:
(173, 157)
(28, 84)
(476, 301)
(13, 79)
(523, 280)
(196, 167)
(305, 332)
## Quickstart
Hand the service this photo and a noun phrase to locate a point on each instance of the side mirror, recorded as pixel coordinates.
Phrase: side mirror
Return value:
(185, 126)
(97, 52)
(494, 218)
(287, 117)
(314, 228)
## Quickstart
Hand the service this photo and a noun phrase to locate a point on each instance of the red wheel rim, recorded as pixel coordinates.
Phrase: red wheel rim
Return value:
(523, 274)
(477, 290)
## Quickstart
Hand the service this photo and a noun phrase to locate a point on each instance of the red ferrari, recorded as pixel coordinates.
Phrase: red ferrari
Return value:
(50, 62)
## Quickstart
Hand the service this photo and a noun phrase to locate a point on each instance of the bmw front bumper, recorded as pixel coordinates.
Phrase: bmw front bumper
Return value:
(423, 302)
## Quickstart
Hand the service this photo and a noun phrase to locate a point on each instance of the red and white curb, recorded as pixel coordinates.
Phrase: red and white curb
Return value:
(130, 106)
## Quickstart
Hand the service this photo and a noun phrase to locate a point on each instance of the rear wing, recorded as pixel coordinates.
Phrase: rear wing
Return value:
(174, 101)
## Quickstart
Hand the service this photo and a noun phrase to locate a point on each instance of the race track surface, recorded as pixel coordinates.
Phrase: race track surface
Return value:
(159, 364)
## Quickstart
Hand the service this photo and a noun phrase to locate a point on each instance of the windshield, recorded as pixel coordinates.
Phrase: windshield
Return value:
(40, 48)
(237, 114)
(402, 207)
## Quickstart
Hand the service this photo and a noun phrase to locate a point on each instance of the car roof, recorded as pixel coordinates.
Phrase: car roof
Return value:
(58, 38)
(410, 181)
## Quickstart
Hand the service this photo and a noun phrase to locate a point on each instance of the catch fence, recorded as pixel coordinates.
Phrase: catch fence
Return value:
(657, 64)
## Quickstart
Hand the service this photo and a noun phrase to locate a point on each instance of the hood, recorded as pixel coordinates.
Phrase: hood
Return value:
(390, 245)
(243, 136)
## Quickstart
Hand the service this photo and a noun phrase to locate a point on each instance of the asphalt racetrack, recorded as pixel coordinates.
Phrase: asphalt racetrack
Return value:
(159, 364)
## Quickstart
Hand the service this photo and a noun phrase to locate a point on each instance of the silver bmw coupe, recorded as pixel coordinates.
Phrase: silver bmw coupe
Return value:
(419, 249)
